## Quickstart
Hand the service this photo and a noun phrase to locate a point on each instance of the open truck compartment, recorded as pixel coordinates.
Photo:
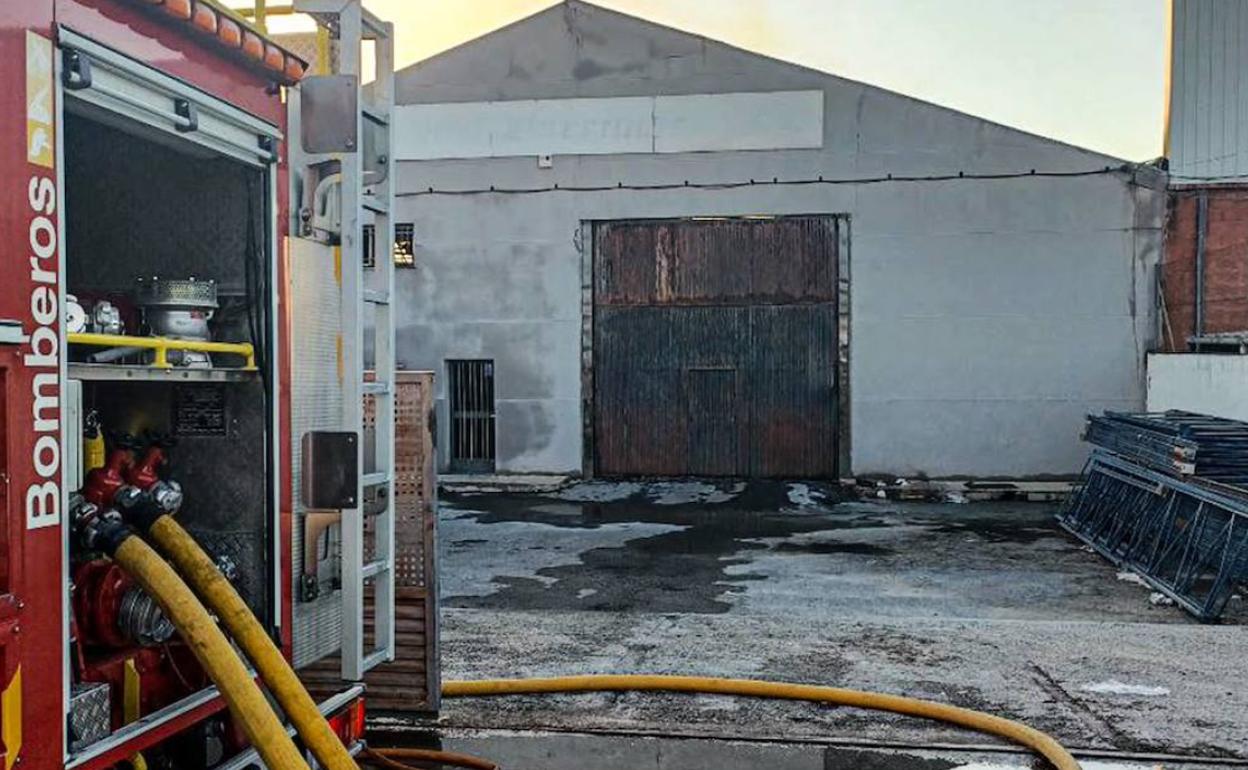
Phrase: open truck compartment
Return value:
(146, 218)
(137, 209)
(164, 239)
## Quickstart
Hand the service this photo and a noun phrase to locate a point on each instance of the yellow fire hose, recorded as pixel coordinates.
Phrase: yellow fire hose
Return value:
(207, 581)
(1041, 743)
(214, 652)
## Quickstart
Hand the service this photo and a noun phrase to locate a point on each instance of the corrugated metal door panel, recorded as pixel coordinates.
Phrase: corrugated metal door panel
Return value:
(711, 422)
(635, 432)
(641, 395)
(715, 345)
(715, 262)
(793, 396)
(625, 260)
(709, 265)
(793, 260)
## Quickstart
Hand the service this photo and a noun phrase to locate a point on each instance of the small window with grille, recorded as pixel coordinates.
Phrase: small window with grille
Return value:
(471, 385)
(368, 246)
(405, 244)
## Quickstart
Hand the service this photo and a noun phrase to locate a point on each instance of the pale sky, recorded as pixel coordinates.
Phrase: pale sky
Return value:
(1089, 72)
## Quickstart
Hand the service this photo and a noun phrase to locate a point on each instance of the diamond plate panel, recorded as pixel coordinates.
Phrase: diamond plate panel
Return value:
(116, 177)
(89, 713)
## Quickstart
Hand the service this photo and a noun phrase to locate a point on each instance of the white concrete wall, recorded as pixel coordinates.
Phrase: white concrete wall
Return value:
(1204, 383)
(988, 317)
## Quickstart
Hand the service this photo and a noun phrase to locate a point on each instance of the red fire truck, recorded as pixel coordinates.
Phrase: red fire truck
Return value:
(184, 203)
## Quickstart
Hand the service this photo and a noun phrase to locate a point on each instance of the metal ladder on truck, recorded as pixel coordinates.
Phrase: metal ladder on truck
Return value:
(366, 191)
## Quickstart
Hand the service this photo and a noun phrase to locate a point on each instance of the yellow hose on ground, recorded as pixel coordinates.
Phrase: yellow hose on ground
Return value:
(207, 581)
(1042, 743)
(214, 652)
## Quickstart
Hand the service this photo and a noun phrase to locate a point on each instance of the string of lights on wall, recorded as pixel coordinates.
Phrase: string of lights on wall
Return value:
(1125, 168)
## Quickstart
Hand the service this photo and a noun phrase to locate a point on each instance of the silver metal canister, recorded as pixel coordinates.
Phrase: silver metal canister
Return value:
(177, 307)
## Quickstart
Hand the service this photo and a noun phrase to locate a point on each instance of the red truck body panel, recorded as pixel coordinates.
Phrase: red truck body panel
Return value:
(33, 638)
(175, 50)
(34, 643)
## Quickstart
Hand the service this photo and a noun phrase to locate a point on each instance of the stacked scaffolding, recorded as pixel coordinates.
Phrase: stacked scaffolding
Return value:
(1155, 499)
(1177, 442)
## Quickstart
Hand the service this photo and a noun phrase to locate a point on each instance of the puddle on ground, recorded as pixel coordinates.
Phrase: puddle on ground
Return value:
(706, 529)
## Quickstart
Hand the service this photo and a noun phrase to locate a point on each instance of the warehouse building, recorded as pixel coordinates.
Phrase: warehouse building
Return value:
(634, 250)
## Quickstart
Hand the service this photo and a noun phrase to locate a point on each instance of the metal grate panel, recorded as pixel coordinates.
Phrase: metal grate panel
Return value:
(175, 291)
(472, 416)
(1186, 537)
(404, 245)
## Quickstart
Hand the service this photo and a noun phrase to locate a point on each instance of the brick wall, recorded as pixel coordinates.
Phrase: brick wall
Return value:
(1226, 265)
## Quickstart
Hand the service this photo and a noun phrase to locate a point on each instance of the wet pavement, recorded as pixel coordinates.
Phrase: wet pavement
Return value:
(986, 605)
(766, 547)
(577, 751)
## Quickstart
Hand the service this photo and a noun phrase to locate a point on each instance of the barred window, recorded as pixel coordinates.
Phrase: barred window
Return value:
(368, 246)
(405, 245)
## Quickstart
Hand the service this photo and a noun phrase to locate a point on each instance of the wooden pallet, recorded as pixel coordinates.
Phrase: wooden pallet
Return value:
(410, 683)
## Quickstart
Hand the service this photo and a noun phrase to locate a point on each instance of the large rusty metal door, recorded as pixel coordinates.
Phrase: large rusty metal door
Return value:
(715, 347)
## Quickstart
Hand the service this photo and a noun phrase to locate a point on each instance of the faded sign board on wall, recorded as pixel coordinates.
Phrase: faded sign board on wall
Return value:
(611, 125)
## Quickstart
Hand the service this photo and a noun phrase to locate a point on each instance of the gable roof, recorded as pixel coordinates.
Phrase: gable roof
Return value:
(586, 27)
(578, 49)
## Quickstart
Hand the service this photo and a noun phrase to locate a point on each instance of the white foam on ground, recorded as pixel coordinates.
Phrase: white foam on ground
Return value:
(802, 495)
(689, 492)
(1128, 576)
(1114, 687)
(599, 491)
(520, 549)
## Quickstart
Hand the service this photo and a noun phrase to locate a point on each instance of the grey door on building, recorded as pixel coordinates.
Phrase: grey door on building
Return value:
(715, 347)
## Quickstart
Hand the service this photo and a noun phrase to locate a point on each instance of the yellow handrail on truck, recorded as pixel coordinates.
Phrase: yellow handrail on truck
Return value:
(162, 346)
